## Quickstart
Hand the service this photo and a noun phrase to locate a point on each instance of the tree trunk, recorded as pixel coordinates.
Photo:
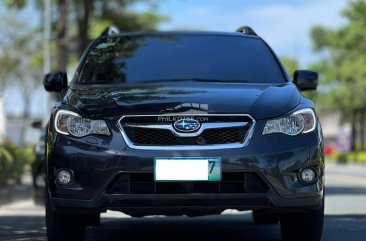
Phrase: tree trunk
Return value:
(105, 7)
(25, 117)
(362, 129)
(2, 120)
(62, 52)
(354, 131)
(83, 26)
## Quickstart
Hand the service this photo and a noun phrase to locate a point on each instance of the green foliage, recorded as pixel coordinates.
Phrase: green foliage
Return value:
(357, 156)
(6, 160)
(130, 21)
(114, 12)
(86, 20)
(346, 61)
(98, 27)
(342, 158)
(348, 157)
(15, 3)
(290, 64)
(20, 53)
(321, 37)
(12, 162)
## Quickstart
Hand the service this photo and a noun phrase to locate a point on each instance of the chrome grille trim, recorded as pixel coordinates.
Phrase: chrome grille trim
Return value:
(203, 127)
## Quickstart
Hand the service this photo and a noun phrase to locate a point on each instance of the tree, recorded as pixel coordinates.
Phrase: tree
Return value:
(7, 62)
(100, 13)
(20, 49)
(62, 35)
(345, 64)
(28, 73)
(291, 64)
(22, 61)
(113, 12)
(61, 27)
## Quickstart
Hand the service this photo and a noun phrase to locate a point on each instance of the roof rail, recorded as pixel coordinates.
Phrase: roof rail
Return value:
(109, 31)
(246, 30)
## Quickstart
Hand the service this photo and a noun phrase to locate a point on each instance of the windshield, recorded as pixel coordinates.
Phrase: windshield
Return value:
(147, 58)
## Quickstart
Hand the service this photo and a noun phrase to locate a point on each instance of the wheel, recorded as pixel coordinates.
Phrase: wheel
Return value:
(61, 227)
(92, 219)
(263, 217)
(303, 226)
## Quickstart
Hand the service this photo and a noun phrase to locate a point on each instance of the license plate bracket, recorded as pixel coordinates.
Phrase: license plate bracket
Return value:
(187, 169)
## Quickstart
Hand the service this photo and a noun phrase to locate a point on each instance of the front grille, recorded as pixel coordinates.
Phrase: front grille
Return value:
(143, 183)
(161, 137)
(139, 133)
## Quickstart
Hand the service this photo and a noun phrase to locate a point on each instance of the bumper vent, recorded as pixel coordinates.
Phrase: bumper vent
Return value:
(143, 183)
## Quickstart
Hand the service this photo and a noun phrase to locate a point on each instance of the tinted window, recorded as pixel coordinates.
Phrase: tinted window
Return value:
(179, 57)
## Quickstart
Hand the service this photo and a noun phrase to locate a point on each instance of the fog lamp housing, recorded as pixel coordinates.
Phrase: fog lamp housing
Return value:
(64, 176)
(307, 175)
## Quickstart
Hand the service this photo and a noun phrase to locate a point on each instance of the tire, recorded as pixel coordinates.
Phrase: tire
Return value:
(303, 226)
(61, 227)
(263, 217)
(92, 219)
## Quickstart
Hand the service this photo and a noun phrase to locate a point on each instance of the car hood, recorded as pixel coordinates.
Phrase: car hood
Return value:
(113, 101)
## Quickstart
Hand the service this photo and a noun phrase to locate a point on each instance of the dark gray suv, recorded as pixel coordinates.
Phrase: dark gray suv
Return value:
(183, 123)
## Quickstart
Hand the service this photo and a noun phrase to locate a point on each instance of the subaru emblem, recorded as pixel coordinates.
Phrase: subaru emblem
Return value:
(187, 125)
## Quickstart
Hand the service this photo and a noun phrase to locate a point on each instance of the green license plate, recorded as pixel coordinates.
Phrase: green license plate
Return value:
(168, 169)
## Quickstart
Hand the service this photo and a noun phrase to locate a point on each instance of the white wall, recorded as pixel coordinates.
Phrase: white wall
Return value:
(331, 123)
(2, 119)
(13, 128)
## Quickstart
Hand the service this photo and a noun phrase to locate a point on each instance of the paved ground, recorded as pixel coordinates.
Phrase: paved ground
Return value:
(22, 217)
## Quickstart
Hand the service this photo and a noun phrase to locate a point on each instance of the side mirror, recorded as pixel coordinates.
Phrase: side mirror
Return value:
(306, 80)
(55, 82)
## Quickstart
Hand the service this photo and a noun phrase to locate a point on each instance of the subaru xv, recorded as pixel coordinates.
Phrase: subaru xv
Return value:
(183, 123)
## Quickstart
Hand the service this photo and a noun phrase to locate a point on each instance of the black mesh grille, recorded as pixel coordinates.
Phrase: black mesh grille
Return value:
(163, 137)
(143, 183)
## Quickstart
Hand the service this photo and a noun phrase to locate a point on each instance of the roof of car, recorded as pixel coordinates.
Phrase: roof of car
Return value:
(197, 33)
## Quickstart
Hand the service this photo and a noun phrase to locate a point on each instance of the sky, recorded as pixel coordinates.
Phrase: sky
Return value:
(284, 24)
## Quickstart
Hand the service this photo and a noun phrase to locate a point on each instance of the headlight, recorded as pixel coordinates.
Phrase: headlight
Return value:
(302, 121)
(68, 122)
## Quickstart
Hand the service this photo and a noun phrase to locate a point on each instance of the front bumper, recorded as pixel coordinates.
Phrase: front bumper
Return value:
(162, 204)
(96, 162)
